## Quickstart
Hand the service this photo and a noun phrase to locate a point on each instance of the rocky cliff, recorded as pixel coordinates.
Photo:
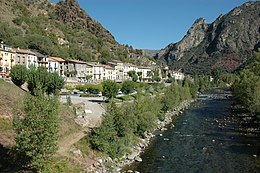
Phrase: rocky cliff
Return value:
(228, 42)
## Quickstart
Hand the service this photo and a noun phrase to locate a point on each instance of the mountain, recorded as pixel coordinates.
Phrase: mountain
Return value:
(60, 29)
(226, 43)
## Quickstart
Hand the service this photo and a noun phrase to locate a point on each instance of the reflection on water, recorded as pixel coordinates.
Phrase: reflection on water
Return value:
(208, 137)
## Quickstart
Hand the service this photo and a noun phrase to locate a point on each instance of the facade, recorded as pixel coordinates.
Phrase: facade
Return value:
(7, 60)
(42, 60)
(146, 72)
(109, 73)
(56, 64)
(177, 75)
(26, 58)
(127, 68)
(76, 68)
(97, 71)
(119, 69)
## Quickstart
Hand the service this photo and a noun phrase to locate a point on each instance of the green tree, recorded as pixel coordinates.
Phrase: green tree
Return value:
(104, 138)
(140, 75)
(128, 86)
(37, 131)
(54, 83)
(110, 88)
(133, 75)
(19, 75)
(40, 80)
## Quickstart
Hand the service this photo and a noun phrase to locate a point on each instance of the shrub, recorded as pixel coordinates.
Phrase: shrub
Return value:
(19, 75)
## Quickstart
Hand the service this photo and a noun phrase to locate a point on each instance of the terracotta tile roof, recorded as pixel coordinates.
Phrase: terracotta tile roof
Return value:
(108, 67)
(56, 59)
(25, 51)
(76, 61)
(93, 64)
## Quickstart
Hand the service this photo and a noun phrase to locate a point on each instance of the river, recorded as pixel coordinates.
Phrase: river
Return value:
(208, 138)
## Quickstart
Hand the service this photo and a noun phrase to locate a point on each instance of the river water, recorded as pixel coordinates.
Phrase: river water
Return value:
(208, 138)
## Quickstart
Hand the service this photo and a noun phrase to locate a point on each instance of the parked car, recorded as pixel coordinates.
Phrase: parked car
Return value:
(99, 94)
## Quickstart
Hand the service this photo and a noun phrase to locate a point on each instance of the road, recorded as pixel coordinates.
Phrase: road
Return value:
(94, 104)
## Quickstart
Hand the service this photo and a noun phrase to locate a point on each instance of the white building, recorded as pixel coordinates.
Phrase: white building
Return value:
(119, 69)
(97, 71)
(26, 58)
(109, 73)
(127, 68)
(177, 75)
(56, 64)
(146, 72)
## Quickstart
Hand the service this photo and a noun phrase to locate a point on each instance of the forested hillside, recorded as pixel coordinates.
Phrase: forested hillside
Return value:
(247, 87)
(60, 29)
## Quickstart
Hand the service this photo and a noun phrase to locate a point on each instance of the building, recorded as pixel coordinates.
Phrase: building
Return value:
(146, 72)
(56, 64)
(42, 60)
(97, 71)
(109, 73)
(7, 60)
(177, 75)
(127, 68)
(76, 68)
(119, 69)
(27, 58)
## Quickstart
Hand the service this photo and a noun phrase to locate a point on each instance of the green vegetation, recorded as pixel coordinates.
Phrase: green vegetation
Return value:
(133, 75)
(128, 87)
(38, 79)
(19, 75)
(246, 88)
(38, 126)
(123, 125)
(110, 89)
(37, 132)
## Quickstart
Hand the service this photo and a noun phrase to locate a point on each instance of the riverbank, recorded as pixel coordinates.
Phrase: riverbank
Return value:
(104, 165)
(208, 137)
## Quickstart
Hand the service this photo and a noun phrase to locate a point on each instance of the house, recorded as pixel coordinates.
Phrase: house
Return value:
(7, 60)
(97, 71)
(42, 60)
(56, 64)
(177, 75)
(119, 69)
(76, 68)
(127, 68)
(26, 57)
(109, 73)
(146, 72)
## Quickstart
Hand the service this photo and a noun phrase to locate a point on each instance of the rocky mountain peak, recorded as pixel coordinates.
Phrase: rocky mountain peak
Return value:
(228, 42)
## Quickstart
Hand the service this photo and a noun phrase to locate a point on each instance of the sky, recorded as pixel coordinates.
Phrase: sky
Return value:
(153, 24)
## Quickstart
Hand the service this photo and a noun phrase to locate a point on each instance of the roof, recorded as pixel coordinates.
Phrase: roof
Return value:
(142, 67)
(25, 51)
(108, 67)
(94, 64)
(76, 61)
(56, 59)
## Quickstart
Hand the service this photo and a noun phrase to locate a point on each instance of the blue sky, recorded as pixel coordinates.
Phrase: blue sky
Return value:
(153, 24)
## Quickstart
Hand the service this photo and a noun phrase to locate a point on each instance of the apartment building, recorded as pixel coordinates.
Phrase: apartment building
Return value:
(7, 60)
(27, 58)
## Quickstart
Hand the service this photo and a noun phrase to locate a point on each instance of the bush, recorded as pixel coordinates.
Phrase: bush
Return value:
(110, 89)
(19, 75)
(128, 87)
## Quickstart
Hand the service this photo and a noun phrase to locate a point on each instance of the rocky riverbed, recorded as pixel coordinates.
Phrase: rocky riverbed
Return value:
(106, 165)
